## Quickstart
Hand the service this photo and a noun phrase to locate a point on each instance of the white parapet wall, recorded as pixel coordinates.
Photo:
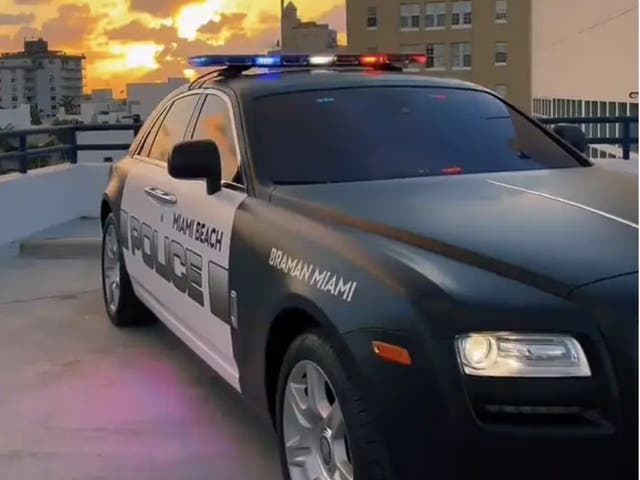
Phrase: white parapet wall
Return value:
(44, 197)
(47, 196)
(102, 137)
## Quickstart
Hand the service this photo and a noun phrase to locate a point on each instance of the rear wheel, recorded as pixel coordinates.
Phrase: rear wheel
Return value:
(323, 427)
(122, 304)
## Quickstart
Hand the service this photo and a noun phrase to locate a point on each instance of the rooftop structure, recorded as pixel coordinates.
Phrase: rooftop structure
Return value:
(299, 36)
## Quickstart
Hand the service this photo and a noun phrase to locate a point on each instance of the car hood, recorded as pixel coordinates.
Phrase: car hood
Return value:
(553, 229)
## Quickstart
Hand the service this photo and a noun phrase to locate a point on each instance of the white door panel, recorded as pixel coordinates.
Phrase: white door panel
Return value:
(178, 256)
(203, 224)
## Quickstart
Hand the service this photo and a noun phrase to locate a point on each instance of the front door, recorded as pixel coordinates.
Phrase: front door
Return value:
(201, 225)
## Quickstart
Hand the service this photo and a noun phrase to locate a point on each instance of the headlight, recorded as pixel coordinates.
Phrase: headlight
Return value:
(521, 355)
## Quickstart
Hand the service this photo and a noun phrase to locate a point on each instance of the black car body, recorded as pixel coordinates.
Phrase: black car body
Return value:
(413, 260)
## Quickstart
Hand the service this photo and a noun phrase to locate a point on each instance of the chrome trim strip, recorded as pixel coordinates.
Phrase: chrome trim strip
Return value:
(567, 202)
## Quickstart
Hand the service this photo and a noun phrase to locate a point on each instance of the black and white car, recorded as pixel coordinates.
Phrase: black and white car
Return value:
(409, 276)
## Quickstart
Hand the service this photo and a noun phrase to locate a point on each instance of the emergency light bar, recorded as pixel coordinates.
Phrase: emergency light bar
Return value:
(305, 60)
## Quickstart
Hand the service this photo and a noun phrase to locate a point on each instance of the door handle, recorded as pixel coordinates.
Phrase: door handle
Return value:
(161, 196)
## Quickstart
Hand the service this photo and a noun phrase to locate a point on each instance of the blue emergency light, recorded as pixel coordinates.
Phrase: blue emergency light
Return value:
(305, 60)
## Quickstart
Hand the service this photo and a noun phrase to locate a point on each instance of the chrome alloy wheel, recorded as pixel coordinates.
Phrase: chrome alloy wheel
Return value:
(314, 432)
(111, 268)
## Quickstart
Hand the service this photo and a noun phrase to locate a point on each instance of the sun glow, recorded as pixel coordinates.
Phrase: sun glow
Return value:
(191, 17)
(129, 57)
(189, 73)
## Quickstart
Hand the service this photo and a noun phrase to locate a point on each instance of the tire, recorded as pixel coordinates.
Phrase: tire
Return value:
(363, 451)
(124, 308)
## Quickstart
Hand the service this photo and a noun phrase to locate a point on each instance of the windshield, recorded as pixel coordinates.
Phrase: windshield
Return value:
(377, 133)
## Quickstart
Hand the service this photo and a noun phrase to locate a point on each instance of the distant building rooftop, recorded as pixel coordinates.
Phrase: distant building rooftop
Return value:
(38, 48)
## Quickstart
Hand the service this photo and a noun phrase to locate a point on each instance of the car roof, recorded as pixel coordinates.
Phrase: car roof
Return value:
(256, 85)
(281, 82)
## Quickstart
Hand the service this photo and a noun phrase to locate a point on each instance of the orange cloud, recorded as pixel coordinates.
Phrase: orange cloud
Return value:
(149, 40)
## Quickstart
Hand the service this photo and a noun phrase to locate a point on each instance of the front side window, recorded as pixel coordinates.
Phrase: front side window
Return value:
(461, 55)
(372, 17)
(436, 54)
(214, 123)
(393, 132)
(172, 128)
(410, 16)
(461, 14)
(435, 15)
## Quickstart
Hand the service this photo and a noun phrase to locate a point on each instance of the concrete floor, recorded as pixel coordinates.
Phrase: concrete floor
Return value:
(80, 399)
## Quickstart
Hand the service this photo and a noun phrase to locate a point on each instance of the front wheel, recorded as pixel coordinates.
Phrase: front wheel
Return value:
(122, 304)
(323, 428)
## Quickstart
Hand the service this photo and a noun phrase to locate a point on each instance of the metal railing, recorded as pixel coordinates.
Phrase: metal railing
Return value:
(60, 146)
(626, 140)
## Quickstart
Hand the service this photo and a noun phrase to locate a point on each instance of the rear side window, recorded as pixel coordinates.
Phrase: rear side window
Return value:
(150, 134)
(171, 129)
(214, 123)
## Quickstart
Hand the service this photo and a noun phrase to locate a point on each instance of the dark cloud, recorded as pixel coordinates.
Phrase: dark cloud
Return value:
(137, 31)
(173, 57)
(68, 30)
(268, 19)
(16, 18)
(233, 22)
(71, 27)
(158, 8)
(15, 43)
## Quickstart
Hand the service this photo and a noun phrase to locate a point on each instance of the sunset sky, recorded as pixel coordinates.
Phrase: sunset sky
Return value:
(149, 40)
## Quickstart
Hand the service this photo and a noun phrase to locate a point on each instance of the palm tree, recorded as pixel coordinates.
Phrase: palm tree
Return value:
(5, 143)
(70, 105)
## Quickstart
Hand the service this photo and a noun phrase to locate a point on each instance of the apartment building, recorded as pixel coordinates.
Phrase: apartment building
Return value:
(41, 78)
(549, 57)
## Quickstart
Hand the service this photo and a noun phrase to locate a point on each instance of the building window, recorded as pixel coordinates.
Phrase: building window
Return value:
(461, 15)
(372, 17)
(410, 16)
(501, 53)
(501, 90)
(461, 56)
(436, 56)
(435, 15)
(501, 11)
(411, 49)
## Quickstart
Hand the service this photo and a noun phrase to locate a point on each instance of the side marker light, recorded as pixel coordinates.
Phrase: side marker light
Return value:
(391, 353)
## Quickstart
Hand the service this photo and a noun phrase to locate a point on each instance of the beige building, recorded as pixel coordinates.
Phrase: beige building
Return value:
(551, 57)
(305, 37)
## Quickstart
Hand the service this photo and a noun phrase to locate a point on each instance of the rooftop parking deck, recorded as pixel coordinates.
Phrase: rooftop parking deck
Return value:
(82, 399)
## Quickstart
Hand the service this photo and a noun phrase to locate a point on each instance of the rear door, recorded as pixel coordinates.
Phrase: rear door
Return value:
(147, 205)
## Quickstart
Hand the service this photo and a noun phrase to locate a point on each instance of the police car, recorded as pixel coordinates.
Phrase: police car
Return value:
(409, 276)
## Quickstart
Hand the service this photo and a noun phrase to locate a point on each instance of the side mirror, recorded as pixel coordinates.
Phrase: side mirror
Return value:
(573, 135)
(196, 159)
